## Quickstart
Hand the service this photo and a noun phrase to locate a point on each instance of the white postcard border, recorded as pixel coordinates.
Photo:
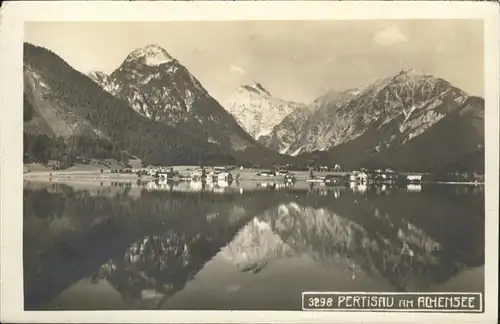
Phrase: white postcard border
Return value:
(12, 18)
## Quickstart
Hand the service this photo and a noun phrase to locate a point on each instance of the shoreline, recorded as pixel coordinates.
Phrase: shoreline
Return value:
(127, 177)
(97, 173)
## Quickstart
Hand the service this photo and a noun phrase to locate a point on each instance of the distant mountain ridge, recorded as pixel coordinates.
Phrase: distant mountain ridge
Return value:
(257, 110)
(299, 131)
(454, 143)
(362, 127)
(339, 117)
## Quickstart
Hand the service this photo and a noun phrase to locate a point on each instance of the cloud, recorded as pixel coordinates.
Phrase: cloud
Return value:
(389, 36)
(236, 69)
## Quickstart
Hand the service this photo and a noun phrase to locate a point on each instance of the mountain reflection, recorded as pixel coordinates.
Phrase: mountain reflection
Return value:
(158, 266)
(290, 230)
(148, 246)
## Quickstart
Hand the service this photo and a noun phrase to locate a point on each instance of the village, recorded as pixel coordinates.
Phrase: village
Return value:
(223, 175)
(284, 173)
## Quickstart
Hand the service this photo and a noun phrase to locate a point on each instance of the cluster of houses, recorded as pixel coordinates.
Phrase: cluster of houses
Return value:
(277, 171)
(336, 177)
(365, 177)
(216, 174)
(198, 174)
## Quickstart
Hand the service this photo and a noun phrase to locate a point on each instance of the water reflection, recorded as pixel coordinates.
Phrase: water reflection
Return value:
(148, 244)
(396, 250)
(219, 186)
(155, 267)
(231, 186)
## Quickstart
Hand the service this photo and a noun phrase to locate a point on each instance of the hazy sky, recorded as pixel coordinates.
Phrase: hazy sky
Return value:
(295, 60)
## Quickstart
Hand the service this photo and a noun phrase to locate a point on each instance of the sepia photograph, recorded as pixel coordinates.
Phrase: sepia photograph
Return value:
(253, 164)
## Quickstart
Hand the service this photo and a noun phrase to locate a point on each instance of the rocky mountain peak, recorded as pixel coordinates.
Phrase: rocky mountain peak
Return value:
(256, 110)
(410, 71)
(151, 55)
(411, 74)
(160, 88)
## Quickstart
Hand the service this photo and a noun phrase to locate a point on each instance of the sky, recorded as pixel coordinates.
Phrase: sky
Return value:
(294, 60)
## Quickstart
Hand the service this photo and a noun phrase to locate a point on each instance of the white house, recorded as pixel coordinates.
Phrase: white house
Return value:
(414, 177)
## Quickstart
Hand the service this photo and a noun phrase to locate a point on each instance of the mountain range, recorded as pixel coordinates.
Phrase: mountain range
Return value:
(408, 120)
(152, 107)
(304, 130)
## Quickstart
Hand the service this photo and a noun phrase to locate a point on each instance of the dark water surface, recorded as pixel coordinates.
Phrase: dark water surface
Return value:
(244, 246)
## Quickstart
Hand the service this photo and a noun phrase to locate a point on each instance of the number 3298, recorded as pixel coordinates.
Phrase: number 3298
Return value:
(319, 302)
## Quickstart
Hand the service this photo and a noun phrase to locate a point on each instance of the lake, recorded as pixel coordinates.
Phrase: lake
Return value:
(243, 246)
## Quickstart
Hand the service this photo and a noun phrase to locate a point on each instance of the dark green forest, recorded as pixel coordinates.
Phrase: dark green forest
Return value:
(42, 148)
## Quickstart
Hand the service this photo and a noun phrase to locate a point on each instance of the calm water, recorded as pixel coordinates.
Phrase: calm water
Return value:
(244, 245)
